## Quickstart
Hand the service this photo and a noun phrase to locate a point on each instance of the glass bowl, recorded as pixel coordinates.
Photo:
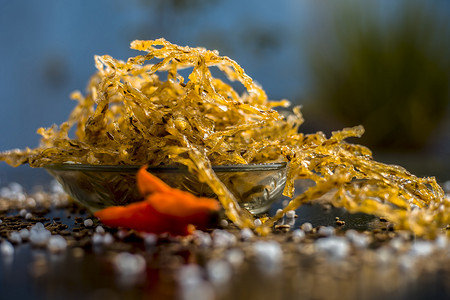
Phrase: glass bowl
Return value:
(255, 186)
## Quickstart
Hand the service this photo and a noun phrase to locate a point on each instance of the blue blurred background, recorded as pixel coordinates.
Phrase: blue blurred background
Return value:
(384, 64)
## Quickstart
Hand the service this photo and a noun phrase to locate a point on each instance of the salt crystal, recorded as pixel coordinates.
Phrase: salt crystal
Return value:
(202, 239)
(201, 290)
(189, 275)
(384, 256)
(30, 202)
(39, 236)
(235, 257)
(298, 235)
(5, 192)
(335, 247)
(23, 212)
(397, 244)
(121, 234)
(269, 256)
(441, 241)
(108, 239)
(99, 229)
(223, 239)
(16, 187)
(359, 240)
(306, 227)
(129, 264)
(24, 234)
(246, 234)
(28, 216)
(97, 239)
(290, 214)
(39, 197)
(150, 240)
(6, 248)
(57, 244)
(192, 285)
(38, 226)
(19, 197)
(326, 231)
(88, 223)
(219, 271)
(14, 237)
(223, 223)
(422, 248)
(257, 222)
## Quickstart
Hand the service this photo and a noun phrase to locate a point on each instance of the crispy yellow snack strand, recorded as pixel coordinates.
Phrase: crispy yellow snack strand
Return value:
(350, 178)
(130, 116)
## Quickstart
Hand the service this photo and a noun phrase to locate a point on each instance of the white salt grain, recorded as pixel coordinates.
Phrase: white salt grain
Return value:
(97, 239)
(223, 239)
(150, 240)
(23, 212)
(218, 271)
(290, 214)
(359, 240)
(30, 202)
(108, 239)
(235, 257)
(333, 246)
(16, 187)
(326, 231)
(246, 234)
(306, 227)
(88, 223)
(129, 264)
(6, 248)
(39, 236)
(193, 286)
(121, 234)
(14, 237)
(99, 229)
(441, 241)
(298, 235)
(422, 248)
(223, 223)
(57, 244)
(202, 239)
(269, 256)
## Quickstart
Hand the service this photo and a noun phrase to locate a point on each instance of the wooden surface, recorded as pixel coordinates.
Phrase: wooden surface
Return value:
(213, 265)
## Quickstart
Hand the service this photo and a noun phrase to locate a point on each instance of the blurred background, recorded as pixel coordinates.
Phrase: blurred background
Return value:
(384, 64)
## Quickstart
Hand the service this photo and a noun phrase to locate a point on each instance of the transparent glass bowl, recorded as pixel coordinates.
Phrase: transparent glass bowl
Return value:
(256, 186)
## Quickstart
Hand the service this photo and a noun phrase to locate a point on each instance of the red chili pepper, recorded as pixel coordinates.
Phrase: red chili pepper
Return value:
(164, 210)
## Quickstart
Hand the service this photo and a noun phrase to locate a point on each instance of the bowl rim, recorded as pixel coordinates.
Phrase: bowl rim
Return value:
(163, 169)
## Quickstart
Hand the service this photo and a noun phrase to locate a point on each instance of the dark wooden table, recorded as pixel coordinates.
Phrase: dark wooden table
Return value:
(224, 263)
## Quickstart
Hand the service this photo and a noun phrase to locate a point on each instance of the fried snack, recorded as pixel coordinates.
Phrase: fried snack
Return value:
(131, 116)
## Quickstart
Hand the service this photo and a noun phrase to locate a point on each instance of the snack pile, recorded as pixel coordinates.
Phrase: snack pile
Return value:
(133, 115)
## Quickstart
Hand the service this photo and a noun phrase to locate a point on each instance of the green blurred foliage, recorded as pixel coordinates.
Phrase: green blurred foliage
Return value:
(387, 71)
